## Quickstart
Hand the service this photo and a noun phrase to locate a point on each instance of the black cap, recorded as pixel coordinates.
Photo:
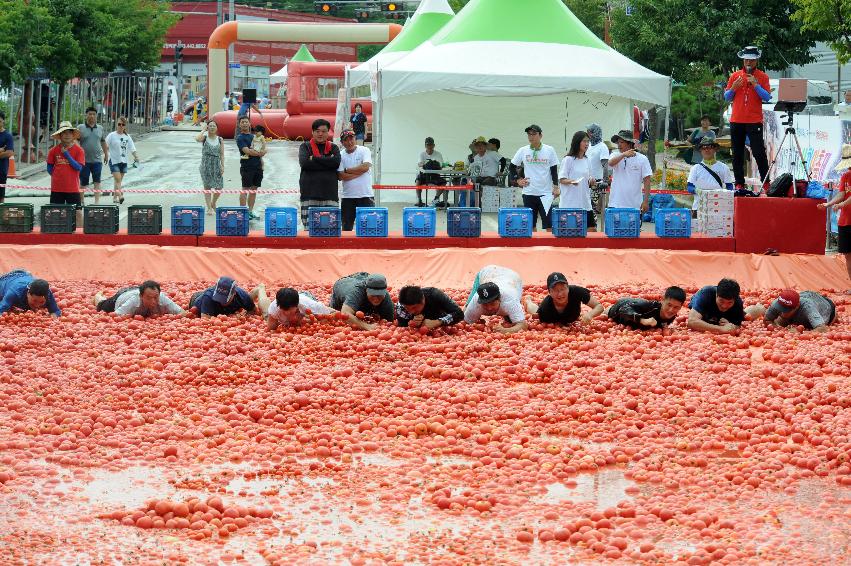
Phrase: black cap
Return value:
(488, 293)
(534, 128)
(554, 278)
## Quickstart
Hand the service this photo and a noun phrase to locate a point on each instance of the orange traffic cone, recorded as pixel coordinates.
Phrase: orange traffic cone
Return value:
(11, 172)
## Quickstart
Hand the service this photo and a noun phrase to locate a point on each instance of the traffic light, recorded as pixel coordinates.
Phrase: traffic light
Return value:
(325, 8)
(175, 69)
(392, 10)
(178, 52)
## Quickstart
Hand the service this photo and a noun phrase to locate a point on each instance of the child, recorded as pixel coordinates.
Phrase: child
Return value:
(259, 143)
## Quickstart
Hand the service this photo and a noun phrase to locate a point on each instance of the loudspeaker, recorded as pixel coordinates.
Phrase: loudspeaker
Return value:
(249, 95)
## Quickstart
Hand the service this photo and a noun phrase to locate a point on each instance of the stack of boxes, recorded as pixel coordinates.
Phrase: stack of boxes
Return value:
(715, 213)
(494, 198)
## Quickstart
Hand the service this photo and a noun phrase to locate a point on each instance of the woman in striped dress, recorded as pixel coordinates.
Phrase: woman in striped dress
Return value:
(212, 164)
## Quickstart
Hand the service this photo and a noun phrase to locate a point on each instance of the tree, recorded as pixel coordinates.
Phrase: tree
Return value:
(829, 18)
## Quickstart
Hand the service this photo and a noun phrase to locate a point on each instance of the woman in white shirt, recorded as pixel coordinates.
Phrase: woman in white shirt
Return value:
(575, 178)
(119, 143)
(212, 164)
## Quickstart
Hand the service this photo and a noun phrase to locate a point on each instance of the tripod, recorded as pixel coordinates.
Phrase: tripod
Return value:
(790, 135)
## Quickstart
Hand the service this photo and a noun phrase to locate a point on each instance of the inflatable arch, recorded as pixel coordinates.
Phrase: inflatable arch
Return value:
(230, 32)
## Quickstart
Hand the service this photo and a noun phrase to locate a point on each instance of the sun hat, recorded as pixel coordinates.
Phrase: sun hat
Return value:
(65, 126)
(347, 134)
(488, 293)
(225, 290)
(788, 300)
(625, 135)
(480, 139)
(376, 285)
(708, 141)
(845, 162)
(750, 52)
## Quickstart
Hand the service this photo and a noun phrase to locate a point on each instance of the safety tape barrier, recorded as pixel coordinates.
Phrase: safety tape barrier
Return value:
(241, 191)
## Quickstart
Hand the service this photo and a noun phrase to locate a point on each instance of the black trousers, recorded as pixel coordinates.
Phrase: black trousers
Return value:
(738, 133)
(537, 206)
(349, 209)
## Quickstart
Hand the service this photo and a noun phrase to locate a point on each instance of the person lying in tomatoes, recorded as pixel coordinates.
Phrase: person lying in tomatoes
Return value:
(20, 291)
(146, 300)
(641, 314)
(365, 294)
(719, 309)
(291, 307)
(809, 309)
(563, 304)
(497, 291)
(228, 298)
(426, 307)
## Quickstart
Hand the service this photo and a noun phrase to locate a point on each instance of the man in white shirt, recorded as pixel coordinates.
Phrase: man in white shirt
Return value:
(430, 154)
(354, 171)
(710, 174)
(146, 300)
(290, 308)
(598, 151)
(539, 162)
(485, 166)
(631, 174)
(497, 291)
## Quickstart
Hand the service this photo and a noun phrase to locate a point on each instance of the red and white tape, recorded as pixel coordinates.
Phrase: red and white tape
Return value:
(241, 191)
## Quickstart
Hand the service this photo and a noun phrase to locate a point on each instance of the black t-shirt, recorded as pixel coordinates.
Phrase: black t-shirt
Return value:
(704, 302)
(630, 311)
(576, 297)
(438, 306)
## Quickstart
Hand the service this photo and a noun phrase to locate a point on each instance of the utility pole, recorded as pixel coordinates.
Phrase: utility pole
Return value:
(231, 18)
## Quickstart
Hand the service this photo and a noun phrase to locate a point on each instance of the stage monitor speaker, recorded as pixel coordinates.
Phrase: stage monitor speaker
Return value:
(249, 95)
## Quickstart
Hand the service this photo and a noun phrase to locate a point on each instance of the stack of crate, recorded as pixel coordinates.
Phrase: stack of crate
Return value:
(715, 213)
(494, 198)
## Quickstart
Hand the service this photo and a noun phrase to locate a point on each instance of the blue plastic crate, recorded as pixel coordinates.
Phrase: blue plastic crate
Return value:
(464, 222)
(371, 222)
(658, 201)
(418, 222)
(281, 222)
(623, 222)
(515, 222)
(324, 221)
(187, 220)
(232, 221)
(673, 223)
(569, 222)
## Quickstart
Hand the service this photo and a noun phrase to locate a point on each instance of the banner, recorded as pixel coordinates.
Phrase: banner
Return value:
(820, 137)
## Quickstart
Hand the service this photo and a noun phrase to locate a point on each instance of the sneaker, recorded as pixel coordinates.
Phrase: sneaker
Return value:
(252, 216)
(420, 203)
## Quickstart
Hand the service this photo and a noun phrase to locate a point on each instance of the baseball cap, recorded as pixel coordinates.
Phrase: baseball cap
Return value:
(347, 134)
(376, 285)
(488, 293)
(554, 278)
(535, 128)
(789, 299)
(224, 291)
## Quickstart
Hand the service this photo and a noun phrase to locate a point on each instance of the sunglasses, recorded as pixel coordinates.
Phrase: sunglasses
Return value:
(120, 124)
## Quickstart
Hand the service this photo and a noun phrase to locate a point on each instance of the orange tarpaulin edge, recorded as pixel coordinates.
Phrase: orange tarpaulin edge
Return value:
(446, 267)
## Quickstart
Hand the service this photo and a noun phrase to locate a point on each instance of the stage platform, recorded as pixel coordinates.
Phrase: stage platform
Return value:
(395, 241)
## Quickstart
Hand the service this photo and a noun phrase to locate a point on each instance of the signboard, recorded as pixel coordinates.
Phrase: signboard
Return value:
(821, 139)
(234, 65)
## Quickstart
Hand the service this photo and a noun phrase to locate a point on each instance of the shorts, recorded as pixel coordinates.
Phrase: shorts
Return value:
(3, 181)
(592, 220)
(94, 169)
(117, 167)
(251, 176)
(360, 136)
(66, 198)
(845, 239)
(108, 305)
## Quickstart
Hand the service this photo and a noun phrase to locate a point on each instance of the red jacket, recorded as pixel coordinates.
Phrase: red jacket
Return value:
(747, 105)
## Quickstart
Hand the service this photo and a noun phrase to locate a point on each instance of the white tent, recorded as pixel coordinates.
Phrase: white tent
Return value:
(497, 67)
(431, 15)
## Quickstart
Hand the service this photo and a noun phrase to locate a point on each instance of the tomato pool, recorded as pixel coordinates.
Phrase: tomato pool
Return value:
(189, 441)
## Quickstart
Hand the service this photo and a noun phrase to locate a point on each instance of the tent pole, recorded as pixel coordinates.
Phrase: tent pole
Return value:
(667, 127)
(377, 108)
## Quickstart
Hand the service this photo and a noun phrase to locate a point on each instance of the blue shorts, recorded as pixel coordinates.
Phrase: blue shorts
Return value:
(360, 136)
(118, 167)
(93, 169)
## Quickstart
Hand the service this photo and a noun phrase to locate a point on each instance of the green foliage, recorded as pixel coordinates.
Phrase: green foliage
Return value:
(700, 95)
(671, 36)
(829, 18)
(75, 38)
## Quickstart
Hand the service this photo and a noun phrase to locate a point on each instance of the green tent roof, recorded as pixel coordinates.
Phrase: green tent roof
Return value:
(430, 17)
(303, 54)
(527, 21)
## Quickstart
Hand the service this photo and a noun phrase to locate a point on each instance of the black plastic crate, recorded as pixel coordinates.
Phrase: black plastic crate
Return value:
(100, 219)
(58, 218)
(16, 218)
(145, 219)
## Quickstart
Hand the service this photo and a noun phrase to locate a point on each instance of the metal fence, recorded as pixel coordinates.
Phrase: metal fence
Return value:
(35, 108)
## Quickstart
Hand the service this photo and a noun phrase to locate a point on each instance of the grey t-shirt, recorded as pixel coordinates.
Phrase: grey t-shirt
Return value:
(351, 290)
(815, 310)
(90, 139)
(435, 156)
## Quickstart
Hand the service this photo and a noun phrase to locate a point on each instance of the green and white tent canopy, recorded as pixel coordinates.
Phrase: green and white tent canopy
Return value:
(430, 17)
(303, 54)
(495, 68)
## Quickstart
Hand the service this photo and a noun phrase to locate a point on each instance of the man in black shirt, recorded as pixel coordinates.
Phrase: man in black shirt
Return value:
(365, 293)
(426, 306)
(319, 160)
(564, 302)
(719, 309)
(641, 314)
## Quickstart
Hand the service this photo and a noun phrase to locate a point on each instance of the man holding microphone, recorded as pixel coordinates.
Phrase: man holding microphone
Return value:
(747, 90)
